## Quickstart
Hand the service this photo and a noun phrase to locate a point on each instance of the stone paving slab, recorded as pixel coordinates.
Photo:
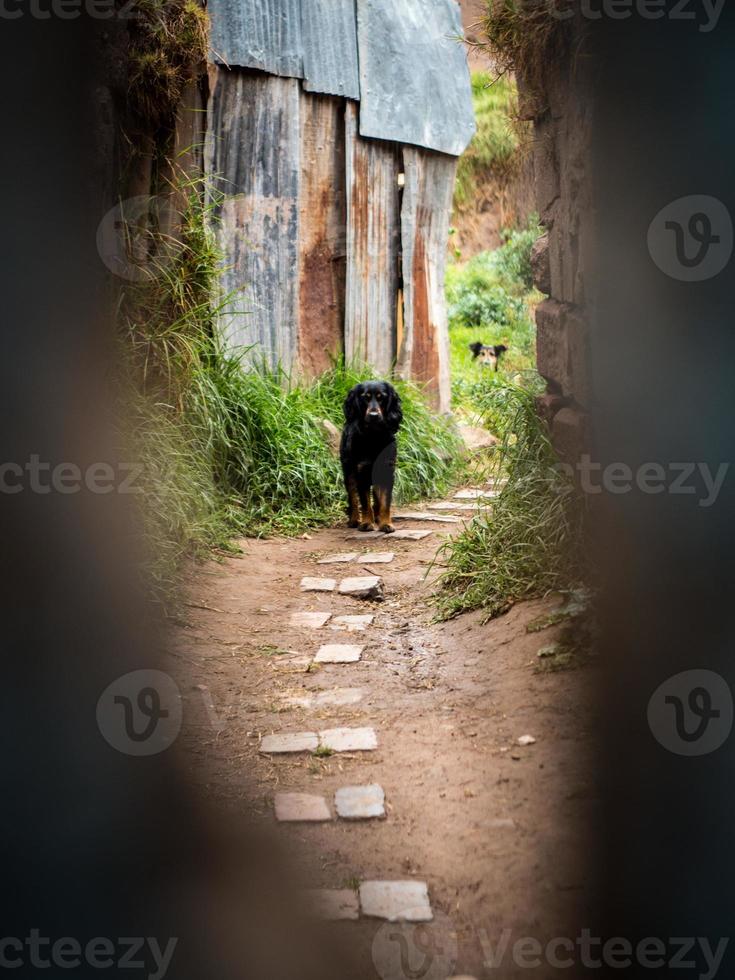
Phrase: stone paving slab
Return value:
(360, 802)
(408, 535)
(289, 742)
(377, 558)
(310, 620)
(437, 518)
(362, 587)
(395, 901)
(338, 697)
(338, 653)
(475, 494)
(349, 739)
(342, 559)
(461, 507)
(352, 624)
(301, 808)
(309, 584)
(331, 904)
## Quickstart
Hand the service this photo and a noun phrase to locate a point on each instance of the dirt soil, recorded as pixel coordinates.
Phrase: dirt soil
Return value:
(496, 829)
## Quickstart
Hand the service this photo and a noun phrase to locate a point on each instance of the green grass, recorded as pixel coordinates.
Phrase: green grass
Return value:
(529, 543)
(491, 299)
(495, 150)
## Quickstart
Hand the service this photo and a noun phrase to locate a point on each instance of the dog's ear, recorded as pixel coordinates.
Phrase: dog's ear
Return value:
(476, 350)
(393, 410)
(500, 349)
(352, 405)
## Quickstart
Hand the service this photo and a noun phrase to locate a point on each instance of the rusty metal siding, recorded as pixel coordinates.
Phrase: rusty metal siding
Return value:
(373, 239)
(426, 210)
(322, 218)
(253, 148)
(414, 78)
(329, 29)
(263, 34)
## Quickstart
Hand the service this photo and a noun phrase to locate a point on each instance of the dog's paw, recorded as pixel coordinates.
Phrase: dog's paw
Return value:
(367, 527)
(353, 523)
(387, 528)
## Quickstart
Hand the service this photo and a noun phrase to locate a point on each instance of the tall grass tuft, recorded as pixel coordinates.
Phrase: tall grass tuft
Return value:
(530, 542)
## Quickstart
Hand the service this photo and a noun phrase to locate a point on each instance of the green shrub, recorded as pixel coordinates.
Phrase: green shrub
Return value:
(530, 542)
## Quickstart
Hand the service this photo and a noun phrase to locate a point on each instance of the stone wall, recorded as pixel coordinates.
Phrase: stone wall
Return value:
(562, 256)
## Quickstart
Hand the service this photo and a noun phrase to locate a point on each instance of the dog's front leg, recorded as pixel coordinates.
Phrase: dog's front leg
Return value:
(367, 517)
(383, 502)
(353, 500)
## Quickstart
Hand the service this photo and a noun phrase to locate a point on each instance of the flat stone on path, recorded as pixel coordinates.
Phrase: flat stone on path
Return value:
(343, 559)
(352, 624)
(310, 620)
(460, 507)
(338, 653)
(411, 535)
(292, 742)
(309, 584)
(301, 808)
(438, 518)
(360, 802)
(474, 494)
(364, 587)
(338, 697)
(377, 558)
(395, 901)
(327, 903)
(349, 739)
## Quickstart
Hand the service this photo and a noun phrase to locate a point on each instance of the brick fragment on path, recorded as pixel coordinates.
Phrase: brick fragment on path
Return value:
(362, 587)
(301, 808)
(360, 802)
(352, 624)
(309, 584)
(377, 558)
(349, 739)
(310, 620)
(289, 742)
(396, 901)
(437, 518)
(342, 559)
(333, 903)
(338, 653)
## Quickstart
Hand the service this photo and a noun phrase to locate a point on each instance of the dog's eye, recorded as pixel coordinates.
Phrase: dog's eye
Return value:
(379, 396)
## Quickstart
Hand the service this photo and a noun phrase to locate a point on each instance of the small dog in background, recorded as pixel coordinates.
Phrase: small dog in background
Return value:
(368, 453)
(489, 356)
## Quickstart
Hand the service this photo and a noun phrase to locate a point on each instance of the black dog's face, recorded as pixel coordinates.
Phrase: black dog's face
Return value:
(374, 405)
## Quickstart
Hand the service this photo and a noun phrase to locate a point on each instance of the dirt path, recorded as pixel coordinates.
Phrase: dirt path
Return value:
(495, 829)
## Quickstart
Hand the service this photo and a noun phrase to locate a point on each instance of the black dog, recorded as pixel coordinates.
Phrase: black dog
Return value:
(490, 355)
(368, 453)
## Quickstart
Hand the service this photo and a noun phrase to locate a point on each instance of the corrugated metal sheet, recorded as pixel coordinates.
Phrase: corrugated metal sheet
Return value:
(254, 148)
(322, 246)
(373, 239)
(329, 30)
(426, 209)
(414, 79)
(264, 34)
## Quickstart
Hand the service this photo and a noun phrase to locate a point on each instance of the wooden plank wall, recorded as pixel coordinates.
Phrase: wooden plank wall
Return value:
(426, 210)
(322, 221)
(373, 243)
(254, 149)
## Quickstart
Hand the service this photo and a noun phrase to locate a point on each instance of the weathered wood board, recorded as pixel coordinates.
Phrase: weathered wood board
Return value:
(322, 245)
(425, 215)
(373, 243)
(253, 149)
